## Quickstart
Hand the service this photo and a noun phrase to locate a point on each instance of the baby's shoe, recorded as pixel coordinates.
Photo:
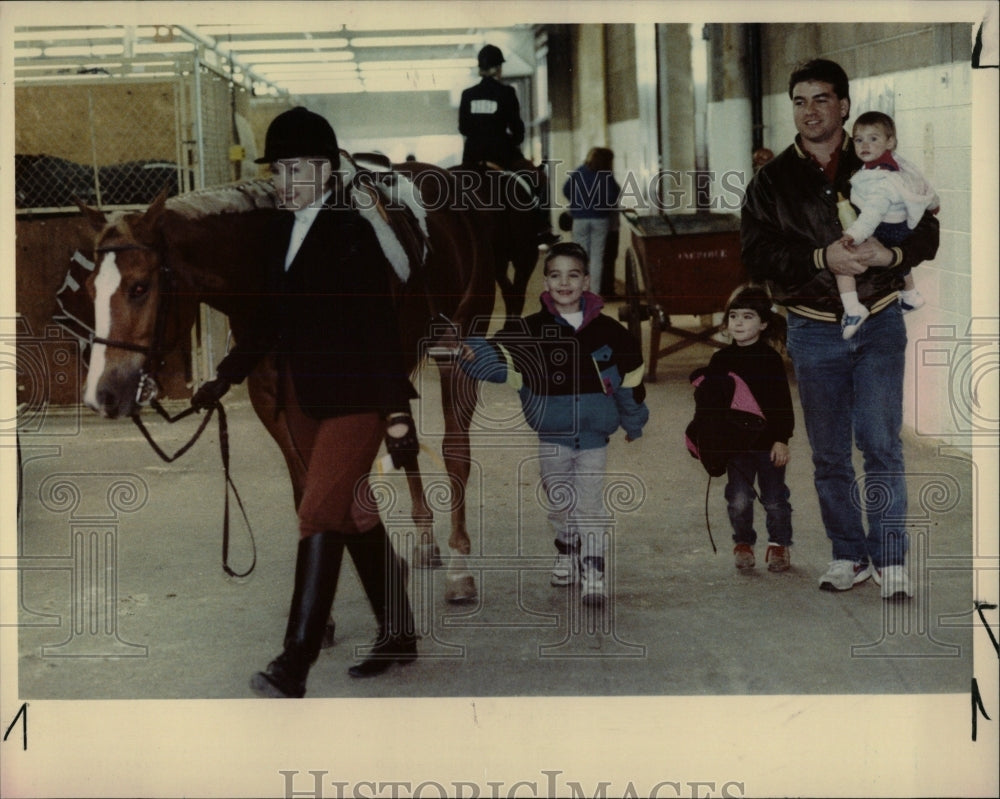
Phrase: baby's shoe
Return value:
(911, 300)
(852, 320)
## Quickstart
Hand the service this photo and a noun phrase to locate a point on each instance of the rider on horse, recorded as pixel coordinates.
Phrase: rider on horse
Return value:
(489, 116)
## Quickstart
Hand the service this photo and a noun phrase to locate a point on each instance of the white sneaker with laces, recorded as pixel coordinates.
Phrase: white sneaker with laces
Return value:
(566, 569)
(843, 575)
(894, 580)
(592, 590)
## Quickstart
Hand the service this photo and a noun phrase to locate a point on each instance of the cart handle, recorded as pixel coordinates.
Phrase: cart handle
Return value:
(632, 217)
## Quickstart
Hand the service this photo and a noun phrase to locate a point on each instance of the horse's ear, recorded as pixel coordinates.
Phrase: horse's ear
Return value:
(145, 226)
(95, 218)
(157, 206)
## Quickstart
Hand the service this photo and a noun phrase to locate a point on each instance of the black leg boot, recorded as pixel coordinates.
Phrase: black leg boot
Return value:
(316, 571)
(383, 575)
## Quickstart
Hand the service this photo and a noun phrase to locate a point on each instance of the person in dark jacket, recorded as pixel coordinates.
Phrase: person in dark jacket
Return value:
(593, 195)
(328, 318)
(756, 330)
(489, 117)
(851, 391)
(579, 376)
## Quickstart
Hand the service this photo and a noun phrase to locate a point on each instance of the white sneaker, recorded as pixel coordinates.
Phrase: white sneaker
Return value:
(894, 580)
(843, 575)
(592, 588)
(566, 570)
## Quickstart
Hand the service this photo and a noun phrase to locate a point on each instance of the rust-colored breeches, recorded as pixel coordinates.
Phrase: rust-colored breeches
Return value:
(338, 455)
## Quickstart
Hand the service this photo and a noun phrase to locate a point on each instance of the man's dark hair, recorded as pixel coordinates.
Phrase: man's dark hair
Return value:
(820, 69)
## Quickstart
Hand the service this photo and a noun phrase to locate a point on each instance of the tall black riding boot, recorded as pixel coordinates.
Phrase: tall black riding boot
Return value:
(317, 568)
(383, 575)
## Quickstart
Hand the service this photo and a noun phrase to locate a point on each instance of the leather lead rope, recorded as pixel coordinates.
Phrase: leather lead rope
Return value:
(224, 452)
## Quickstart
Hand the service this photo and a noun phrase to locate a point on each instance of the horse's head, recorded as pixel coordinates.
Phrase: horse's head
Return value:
(127, 287)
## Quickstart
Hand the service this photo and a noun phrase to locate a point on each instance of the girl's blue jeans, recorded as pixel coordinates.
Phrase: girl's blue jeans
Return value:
(742, 470)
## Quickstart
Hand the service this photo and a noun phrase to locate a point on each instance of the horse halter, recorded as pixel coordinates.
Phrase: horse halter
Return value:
(147, 388)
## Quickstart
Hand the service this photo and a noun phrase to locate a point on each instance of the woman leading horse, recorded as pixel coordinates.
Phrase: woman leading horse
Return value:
(328, 319)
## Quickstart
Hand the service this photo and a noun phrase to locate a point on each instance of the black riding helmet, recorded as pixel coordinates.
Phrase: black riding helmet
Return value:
(300, 133)
(490, 56)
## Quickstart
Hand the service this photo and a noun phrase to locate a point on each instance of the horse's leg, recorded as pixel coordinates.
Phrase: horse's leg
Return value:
(507, 286)
(426, 554)
(458, 401)
(524, 265)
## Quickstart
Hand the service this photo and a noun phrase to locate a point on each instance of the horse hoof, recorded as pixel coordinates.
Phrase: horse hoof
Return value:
(460, 590)
(426, 556)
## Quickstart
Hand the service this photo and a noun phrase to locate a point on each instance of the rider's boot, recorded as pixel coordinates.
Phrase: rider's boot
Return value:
(317, 568)
(383, 575)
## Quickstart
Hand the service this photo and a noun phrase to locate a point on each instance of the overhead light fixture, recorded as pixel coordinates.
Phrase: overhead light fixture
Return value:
(427, 63)
(288, 58)
(280, 75)
(247, 29)
(253, 45)
(417, 41)
(22, 70)
(324, 87)
(164, 47)
(85, 51)
(78, 34)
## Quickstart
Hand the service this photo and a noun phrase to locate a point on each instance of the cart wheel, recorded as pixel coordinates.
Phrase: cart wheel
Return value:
(634, 310)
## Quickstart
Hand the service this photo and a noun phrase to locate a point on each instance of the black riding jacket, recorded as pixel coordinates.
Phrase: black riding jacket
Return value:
(489, 116)
(789, 218)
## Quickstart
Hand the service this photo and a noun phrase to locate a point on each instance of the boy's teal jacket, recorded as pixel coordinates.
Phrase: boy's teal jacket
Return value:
(577, 387)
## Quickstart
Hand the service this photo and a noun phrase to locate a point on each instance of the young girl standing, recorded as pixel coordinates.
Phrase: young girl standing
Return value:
(754, 327)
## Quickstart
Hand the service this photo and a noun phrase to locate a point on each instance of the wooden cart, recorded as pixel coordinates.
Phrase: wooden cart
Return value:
(685, 264)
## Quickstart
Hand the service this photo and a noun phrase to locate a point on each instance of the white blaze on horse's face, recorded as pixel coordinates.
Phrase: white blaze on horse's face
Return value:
(300, 182)
(125, 314)
(106, 283)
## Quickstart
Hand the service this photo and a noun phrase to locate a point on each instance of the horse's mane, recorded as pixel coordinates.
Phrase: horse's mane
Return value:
(234, 198)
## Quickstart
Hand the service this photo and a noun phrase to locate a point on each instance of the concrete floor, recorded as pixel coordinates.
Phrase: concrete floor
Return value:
(102, 514)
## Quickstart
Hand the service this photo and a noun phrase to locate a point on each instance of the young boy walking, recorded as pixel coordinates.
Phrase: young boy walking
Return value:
(578, 373)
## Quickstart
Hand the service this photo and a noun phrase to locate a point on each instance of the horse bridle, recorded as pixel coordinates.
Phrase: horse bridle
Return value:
(147, 389)
(146, 394)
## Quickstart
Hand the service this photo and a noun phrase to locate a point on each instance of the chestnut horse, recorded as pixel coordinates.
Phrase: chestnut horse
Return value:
(153, 267)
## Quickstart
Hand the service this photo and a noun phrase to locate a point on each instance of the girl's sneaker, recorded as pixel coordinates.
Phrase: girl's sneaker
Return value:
(743, 554)
(911, 300)
(777, 558)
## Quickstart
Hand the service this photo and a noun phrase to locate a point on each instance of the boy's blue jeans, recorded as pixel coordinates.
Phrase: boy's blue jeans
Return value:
(852, 392)
(742, 469)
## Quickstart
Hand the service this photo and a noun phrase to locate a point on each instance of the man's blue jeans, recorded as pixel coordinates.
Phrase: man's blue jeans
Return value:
(743, 469)
(852, 393)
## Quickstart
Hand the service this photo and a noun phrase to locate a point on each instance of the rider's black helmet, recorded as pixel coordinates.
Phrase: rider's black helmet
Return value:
(300, 133)
(490, 56)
